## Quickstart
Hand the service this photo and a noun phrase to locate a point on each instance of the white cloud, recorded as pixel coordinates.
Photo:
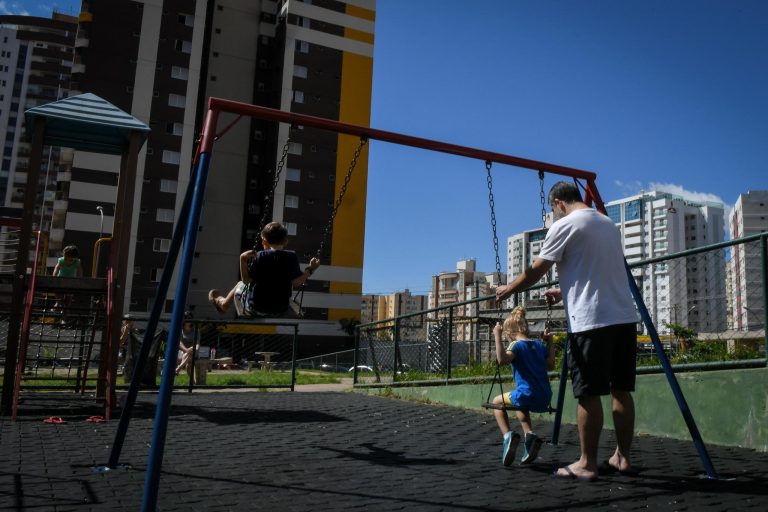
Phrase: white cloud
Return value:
(13, 8)
(681, 191)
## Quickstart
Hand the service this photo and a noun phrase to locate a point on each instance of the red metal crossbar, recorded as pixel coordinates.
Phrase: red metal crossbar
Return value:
(218, 105)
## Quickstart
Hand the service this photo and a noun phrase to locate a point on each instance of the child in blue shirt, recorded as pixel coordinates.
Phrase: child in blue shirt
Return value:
(530, 361)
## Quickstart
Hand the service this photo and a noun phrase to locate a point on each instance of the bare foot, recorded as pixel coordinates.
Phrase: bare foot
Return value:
(621, 465)
(574, 472)
(215, 298)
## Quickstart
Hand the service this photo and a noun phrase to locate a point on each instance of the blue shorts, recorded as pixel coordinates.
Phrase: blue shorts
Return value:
(527, 402)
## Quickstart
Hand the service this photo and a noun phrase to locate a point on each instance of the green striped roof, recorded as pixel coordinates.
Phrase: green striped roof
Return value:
(86, 122)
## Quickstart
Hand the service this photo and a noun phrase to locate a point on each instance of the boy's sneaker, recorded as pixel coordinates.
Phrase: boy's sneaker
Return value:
(511, 440)
(531, 448)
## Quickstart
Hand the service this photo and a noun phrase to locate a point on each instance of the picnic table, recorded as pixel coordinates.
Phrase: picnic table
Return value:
(266, 363)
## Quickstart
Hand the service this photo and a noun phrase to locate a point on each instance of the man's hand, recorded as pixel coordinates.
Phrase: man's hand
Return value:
(502, 292)
(314, 263)
(553, 296)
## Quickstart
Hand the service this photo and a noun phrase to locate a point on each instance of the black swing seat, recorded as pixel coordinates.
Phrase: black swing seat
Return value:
(510, 407)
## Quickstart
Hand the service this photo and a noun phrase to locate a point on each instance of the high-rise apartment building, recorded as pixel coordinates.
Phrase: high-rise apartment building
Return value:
(748, 217)
(688, 291)
(160, 60)
(464, 284)
(36, 57)
(382, 307)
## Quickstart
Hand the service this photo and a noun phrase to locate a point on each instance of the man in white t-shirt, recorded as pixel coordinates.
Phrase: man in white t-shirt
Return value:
(586, 246)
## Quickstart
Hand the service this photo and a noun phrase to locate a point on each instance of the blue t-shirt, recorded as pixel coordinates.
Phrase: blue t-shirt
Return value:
(529, 367)
(272, 273)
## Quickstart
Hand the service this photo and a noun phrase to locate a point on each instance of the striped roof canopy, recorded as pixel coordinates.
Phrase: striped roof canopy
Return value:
(86, 122)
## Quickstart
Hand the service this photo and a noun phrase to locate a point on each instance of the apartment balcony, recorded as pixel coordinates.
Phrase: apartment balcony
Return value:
(67, 156)
(62, 176)
(78, 68)
(60, 205)
(81, 42)
(56, 236)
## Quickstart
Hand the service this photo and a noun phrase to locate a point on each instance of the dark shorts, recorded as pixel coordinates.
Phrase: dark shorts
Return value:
(603, 359)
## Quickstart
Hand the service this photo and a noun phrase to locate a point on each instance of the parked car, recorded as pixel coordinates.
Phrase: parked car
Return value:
(361, 368)
(332, 368)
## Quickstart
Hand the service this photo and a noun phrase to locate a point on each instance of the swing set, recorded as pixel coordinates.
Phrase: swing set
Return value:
(191, 210)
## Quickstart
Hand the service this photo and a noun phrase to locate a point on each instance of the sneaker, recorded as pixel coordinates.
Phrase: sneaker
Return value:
(511, 440)
(531, 448)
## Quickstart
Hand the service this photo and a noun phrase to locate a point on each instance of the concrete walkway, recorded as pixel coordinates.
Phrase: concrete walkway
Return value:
(336, 451)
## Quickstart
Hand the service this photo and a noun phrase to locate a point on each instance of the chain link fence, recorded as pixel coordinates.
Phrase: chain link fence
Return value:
(707, 304)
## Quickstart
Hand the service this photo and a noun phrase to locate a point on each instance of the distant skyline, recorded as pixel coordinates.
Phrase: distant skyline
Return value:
(648, 94)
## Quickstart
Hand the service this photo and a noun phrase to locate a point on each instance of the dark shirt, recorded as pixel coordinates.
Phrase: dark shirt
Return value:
(272, 273)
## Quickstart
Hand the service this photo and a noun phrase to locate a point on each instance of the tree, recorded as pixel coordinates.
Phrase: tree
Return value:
(684, 336)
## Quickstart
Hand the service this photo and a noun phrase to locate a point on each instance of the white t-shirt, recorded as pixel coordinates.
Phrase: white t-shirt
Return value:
(586, 246)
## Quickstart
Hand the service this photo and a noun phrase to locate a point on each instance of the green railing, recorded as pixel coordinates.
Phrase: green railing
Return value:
(708, 304)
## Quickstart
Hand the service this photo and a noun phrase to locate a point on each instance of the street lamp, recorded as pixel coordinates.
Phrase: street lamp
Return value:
(101, 226)
(100, 209)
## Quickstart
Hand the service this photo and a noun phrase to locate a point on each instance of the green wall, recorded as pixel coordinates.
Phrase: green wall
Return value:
(730, 406)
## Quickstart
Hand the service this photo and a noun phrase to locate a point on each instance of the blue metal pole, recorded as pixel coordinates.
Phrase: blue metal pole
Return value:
(681, 402)
(152, 481)
(154, 317)
(560, 395)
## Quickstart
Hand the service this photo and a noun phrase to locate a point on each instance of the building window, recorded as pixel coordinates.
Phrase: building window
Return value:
(295, 148)
(633, 210)
(291, 201)
(174, 129)
(614, 213)
(170, 186)
(299, 71)
(293, 174)
(298, 96)
(302, 46)
(291, 227)
(161, 244)
(183, 46)
(164, 215)
(177, 100)
(137, 271)
(155, 274)
(179, 73)
(171, 157)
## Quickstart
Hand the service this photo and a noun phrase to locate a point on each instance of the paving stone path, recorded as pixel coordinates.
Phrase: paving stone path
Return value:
(343, 451)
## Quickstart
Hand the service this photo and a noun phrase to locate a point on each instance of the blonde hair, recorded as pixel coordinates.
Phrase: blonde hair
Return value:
(516, 323)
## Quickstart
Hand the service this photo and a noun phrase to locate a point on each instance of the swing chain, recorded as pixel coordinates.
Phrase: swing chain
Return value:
(342, 191)
(268, 199)
(543, 200)
(489, 178)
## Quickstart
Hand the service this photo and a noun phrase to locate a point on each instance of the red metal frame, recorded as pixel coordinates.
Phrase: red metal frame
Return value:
(26, 322)
(218, 105)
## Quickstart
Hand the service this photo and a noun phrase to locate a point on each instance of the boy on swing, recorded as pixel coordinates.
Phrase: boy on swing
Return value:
(530, 361)
(267, 278)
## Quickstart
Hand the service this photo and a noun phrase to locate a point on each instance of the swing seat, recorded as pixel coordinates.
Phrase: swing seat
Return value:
(511, 407)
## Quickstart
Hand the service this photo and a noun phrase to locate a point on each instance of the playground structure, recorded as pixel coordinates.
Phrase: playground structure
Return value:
(183, 242)
(191, 209)
(85, 319)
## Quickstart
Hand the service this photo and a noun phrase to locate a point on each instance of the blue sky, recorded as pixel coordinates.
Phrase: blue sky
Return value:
(646, 93)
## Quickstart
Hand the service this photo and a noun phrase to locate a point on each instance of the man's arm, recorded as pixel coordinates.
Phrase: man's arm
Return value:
(525, 280)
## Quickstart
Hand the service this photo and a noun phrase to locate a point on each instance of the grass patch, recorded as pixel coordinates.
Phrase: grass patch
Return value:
(260, 378)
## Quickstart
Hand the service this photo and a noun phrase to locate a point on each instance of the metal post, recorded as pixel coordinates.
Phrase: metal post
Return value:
(158, 306)
(676, 391)
(764, 260)
(355, 356)
(449, 352)
(295, 348)
(394, 356)
(155, 461)
(560, 395)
